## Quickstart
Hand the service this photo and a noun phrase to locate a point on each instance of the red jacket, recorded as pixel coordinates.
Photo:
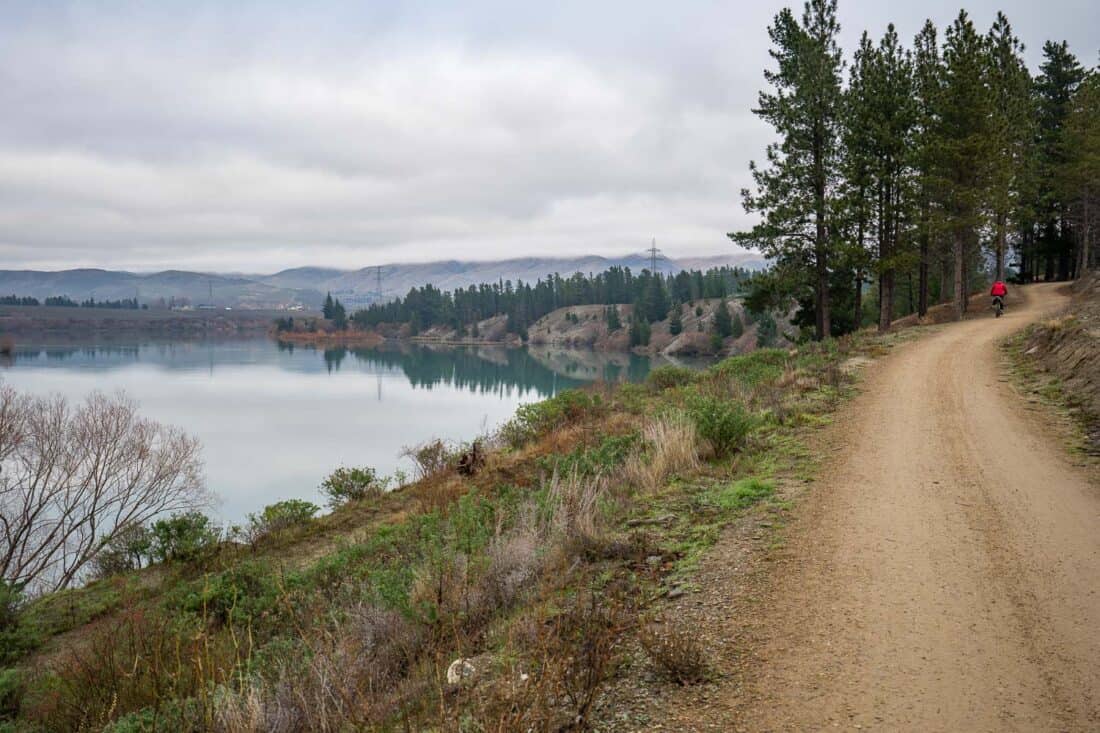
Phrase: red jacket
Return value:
(999, 289)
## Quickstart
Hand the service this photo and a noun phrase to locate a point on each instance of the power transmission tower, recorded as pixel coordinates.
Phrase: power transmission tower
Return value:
(654, 255)
(378, 294)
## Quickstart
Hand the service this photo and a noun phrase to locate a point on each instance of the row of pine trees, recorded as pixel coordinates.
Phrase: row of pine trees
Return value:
(654, 296)
(919, 169)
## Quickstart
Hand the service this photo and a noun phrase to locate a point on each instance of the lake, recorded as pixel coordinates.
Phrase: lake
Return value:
(275, 420)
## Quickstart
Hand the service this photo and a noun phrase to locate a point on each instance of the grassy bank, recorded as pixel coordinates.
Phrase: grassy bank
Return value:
(502, 590)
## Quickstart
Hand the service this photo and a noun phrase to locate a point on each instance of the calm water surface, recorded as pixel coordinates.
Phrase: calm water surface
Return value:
(274, 421)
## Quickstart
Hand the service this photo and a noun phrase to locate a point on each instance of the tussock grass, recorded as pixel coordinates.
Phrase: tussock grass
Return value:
(671, 447)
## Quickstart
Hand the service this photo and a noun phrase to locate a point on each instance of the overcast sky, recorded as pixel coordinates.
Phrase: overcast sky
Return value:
(256, 136)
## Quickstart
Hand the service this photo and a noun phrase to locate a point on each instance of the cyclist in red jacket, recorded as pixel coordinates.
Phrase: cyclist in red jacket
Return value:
(998, 292)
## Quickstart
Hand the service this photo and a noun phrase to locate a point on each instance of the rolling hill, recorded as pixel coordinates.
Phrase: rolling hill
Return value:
(308, 285)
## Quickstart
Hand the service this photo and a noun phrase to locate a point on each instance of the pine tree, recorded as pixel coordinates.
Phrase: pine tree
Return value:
(738, 328)
(927, 93)
(326, 309)
(338, 315)
(796, 193)
(723, 324)
(1080, 175)
(857, 165)
(963, 144)
(614, 323)
(639, 331)
(1060, 75)
(879, 125)
(675, 322)
(1011, 123)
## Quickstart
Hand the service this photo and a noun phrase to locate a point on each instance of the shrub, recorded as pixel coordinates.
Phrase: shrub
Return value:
(431, 458)
(353, 484)
(608, 455)
(676, 652)
(281, 515)
(12, 687)
(723, 423)
(538, 418)
(236, 596)
(136, 661)
(183, 537)
(125, 551)
(15, 638)
(671, 376)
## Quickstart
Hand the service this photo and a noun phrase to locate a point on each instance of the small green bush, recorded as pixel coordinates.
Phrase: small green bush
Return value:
(723, 423)
(12, 688)
(353, 484)
(15, 638)
(538, 418)
(236, 596)
(669, 376)
(183, 537)
(607, 456)
(127, 550)
(281, 515)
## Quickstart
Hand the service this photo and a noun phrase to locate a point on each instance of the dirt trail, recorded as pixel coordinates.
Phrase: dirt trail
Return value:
(946, 573)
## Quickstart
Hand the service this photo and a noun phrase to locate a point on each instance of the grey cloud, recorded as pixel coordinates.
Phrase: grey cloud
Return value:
(263, 135)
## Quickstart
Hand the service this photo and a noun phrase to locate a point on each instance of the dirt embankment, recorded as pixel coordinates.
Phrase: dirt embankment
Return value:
(1068, 347)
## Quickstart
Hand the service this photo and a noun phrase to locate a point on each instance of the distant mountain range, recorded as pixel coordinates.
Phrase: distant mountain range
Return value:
(306, 286)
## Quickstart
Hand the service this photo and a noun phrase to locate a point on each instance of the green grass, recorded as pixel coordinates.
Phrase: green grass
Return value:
(741, 494)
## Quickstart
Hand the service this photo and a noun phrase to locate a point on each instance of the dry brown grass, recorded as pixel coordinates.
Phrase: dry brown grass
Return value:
(672, 447)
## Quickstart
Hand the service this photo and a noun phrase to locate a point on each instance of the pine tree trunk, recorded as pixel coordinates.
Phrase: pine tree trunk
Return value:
(1083, 245)
(823, 324)
(1002, 225)
(886, 303)
(922, 285)
(960, 267)
(857, 320)
(946, 293)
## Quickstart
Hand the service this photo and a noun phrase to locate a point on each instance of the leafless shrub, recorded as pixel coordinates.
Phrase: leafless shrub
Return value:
(559, 673)
(137, 661)
(71, 477)
(672, 447)
(514, 564)
(431, 458)
(342, 680)
(676, 651)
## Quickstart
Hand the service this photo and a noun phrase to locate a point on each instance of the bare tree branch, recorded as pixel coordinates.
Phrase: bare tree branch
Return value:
(71, 478)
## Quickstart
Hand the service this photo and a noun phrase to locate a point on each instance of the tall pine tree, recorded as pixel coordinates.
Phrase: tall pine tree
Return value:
(963, 145)
(1011, 129)
(796, 193)
(1060, 75)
